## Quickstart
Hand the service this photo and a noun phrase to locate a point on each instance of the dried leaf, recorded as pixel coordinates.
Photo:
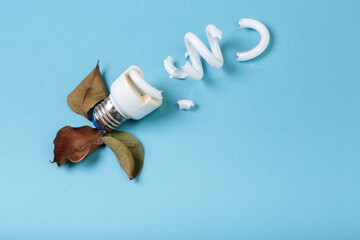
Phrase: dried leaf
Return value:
(132, 143)
(74, 144)
(127, 150)
(89, 92)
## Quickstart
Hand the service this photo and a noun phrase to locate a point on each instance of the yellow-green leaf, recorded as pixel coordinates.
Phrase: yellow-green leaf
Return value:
(123, 155)
(134, 146)
(89, 92)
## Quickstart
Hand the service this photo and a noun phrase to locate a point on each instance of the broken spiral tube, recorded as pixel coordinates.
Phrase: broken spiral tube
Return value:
(195, 48)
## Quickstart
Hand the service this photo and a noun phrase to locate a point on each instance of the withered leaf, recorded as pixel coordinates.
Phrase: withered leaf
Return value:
(134, 146)
(89, 92)
(128, 152)
(74, 144)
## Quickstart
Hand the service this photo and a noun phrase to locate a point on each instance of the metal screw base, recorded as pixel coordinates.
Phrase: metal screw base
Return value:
(106, 116)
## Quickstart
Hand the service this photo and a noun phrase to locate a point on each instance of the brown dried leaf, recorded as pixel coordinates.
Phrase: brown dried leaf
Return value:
(128, 152)
(74, 144)
(89, 92)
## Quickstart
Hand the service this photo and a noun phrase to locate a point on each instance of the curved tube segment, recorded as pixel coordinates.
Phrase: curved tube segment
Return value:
(196, 47)
(143, 85)
(261, 46)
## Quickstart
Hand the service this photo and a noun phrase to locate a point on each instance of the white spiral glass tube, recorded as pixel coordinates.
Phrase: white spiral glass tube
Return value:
(196, 47)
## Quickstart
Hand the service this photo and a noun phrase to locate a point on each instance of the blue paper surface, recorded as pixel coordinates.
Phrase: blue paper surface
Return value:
(272, 150)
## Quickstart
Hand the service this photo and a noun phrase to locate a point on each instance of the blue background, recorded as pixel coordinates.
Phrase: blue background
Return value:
(271, 152)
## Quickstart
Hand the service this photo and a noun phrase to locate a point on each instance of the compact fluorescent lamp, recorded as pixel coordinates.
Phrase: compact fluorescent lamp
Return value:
(131, 97)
